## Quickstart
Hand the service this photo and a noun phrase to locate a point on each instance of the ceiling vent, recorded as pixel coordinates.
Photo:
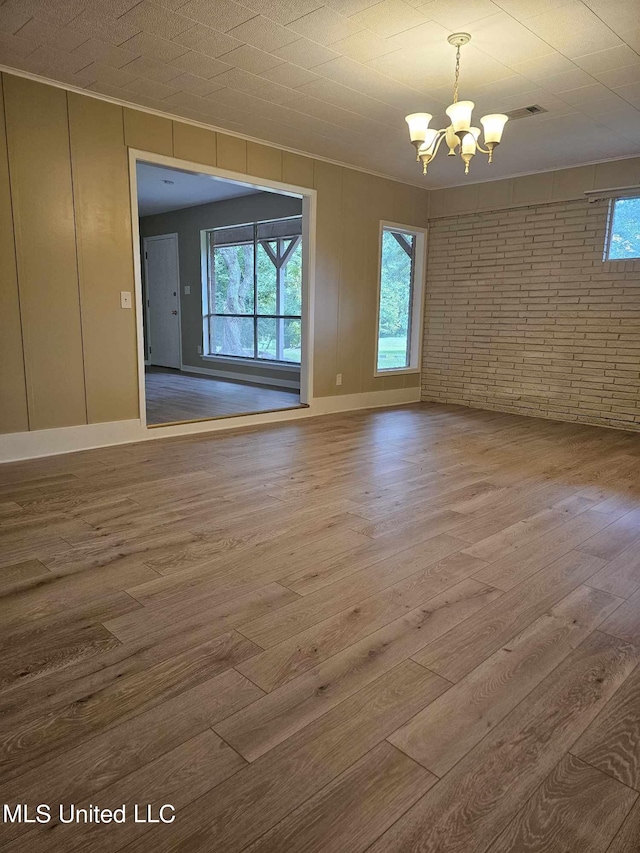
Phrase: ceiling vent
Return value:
(523, 112)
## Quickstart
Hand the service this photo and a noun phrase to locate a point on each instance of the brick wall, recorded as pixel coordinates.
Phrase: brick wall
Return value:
(523, 315)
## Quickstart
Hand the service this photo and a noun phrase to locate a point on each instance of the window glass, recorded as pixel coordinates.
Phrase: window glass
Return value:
(396, 296)
(267, 338)
(293, 281)
(267, 279)
(292, 337)
(231, 336)
(232, 282)
(253, 309)
(624, 237)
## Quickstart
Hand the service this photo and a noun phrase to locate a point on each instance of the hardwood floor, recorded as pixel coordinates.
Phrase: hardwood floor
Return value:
(400, 630)
(173, 396)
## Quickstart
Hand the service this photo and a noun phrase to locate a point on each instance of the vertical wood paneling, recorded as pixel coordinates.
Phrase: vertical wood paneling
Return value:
(328, 182)
(264, 162)
(616, 173)
(13, 393)
(105, 260)
(194, 143)
(40, 172)
(531, 189)
(355, 238)
(377, 209)
(232, 153)
(68, 169)
(148, 132)
(297, 170)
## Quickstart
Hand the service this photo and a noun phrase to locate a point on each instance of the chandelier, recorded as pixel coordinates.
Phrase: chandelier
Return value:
(460, 133)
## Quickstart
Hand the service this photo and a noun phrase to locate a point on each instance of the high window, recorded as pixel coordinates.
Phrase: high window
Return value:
(399, 298)
(624, 229)
(253, 299)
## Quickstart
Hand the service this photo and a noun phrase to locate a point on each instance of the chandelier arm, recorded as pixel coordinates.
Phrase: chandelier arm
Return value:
(480, 148)
(437, 139)
(441, 136)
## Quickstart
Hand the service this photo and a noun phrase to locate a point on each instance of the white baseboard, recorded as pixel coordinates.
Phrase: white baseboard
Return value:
(367, 400)
(242, 377)
(50, 442)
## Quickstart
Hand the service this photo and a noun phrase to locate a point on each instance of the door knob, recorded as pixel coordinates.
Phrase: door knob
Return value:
(174, 312)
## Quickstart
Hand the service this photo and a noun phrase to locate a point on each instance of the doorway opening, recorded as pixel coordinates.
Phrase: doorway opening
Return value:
(224, 275)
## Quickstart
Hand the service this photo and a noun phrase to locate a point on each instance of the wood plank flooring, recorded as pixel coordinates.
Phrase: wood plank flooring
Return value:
(172, 396)
(393, 631)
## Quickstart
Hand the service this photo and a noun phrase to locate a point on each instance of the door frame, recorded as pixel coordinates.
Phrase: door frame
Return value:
(309, 214)
(145, 295)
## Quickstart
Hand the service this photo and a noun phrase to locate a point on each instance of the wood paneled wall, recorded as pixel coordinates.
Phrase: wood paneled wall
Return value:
(525, 190)
(40, 176)
(66, 253)
(105, 256)
(13, 392)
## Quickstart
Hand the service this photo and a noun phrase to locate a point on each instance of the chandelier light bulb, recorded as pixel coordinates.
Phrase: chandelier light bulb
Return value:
(469, 145)
(460, 115)
(493, 126)
(418, 126)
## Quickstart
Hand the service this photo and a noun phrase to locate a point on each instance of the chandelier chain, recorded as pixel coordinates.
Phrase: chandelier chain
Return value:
(457, 77)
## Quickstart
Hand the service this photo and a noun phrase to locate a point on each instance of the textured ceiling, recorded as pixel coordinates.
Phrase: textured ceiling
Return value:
(161, 190)
(336, 77)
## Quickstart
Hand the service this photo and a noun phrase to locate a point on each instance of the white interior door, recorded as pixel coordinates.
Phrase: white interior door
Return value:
(163, 300)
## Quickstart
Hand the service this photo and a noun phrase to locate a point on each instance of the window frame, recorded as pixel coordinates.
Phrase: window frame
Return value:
(416, 302)
(208, 313)
(622, 196)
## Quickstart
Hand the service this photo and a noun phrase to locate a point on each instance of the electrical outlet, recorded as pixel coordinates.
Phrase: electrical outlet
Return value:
(125, 299)
(199, 350)
(338, 379)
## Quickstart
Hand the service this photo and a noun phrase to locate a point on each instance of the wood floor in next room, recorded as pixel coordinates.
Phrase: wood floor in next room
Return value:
(399, 630)
(174, 396)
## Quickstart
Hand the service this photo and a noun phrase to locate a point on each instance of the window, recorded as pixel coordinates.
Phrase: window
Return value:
(253, 299)
(624, 229)
(400, 298)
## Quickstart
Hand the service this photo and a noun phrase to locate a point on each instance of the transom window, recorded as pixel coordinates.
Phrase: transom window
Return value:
(399, 298)
(624, 229)
(253, 300)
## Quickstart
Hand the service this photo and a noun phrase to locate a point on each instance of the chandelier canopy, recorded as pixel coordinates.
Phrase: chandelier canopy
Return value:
(460, 133)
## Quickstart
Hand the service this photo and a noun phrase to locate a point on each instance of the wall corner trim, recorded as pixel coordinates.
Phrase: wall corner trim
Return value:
(35, 444)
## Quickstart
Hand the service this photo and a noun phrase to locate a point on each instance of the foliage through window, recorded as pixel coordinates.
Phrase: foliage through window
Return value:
(624, 229)
(397, 272)
(254, 291)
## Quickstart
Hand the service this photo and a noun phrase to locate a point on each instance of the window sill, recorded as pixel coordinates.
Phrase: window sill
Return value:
(396, 372)
(285, 367)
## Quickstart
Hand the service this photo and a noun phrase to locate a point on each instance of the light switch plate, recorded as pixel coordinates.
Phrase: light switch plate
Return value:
(187, 289)
(125, 299)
